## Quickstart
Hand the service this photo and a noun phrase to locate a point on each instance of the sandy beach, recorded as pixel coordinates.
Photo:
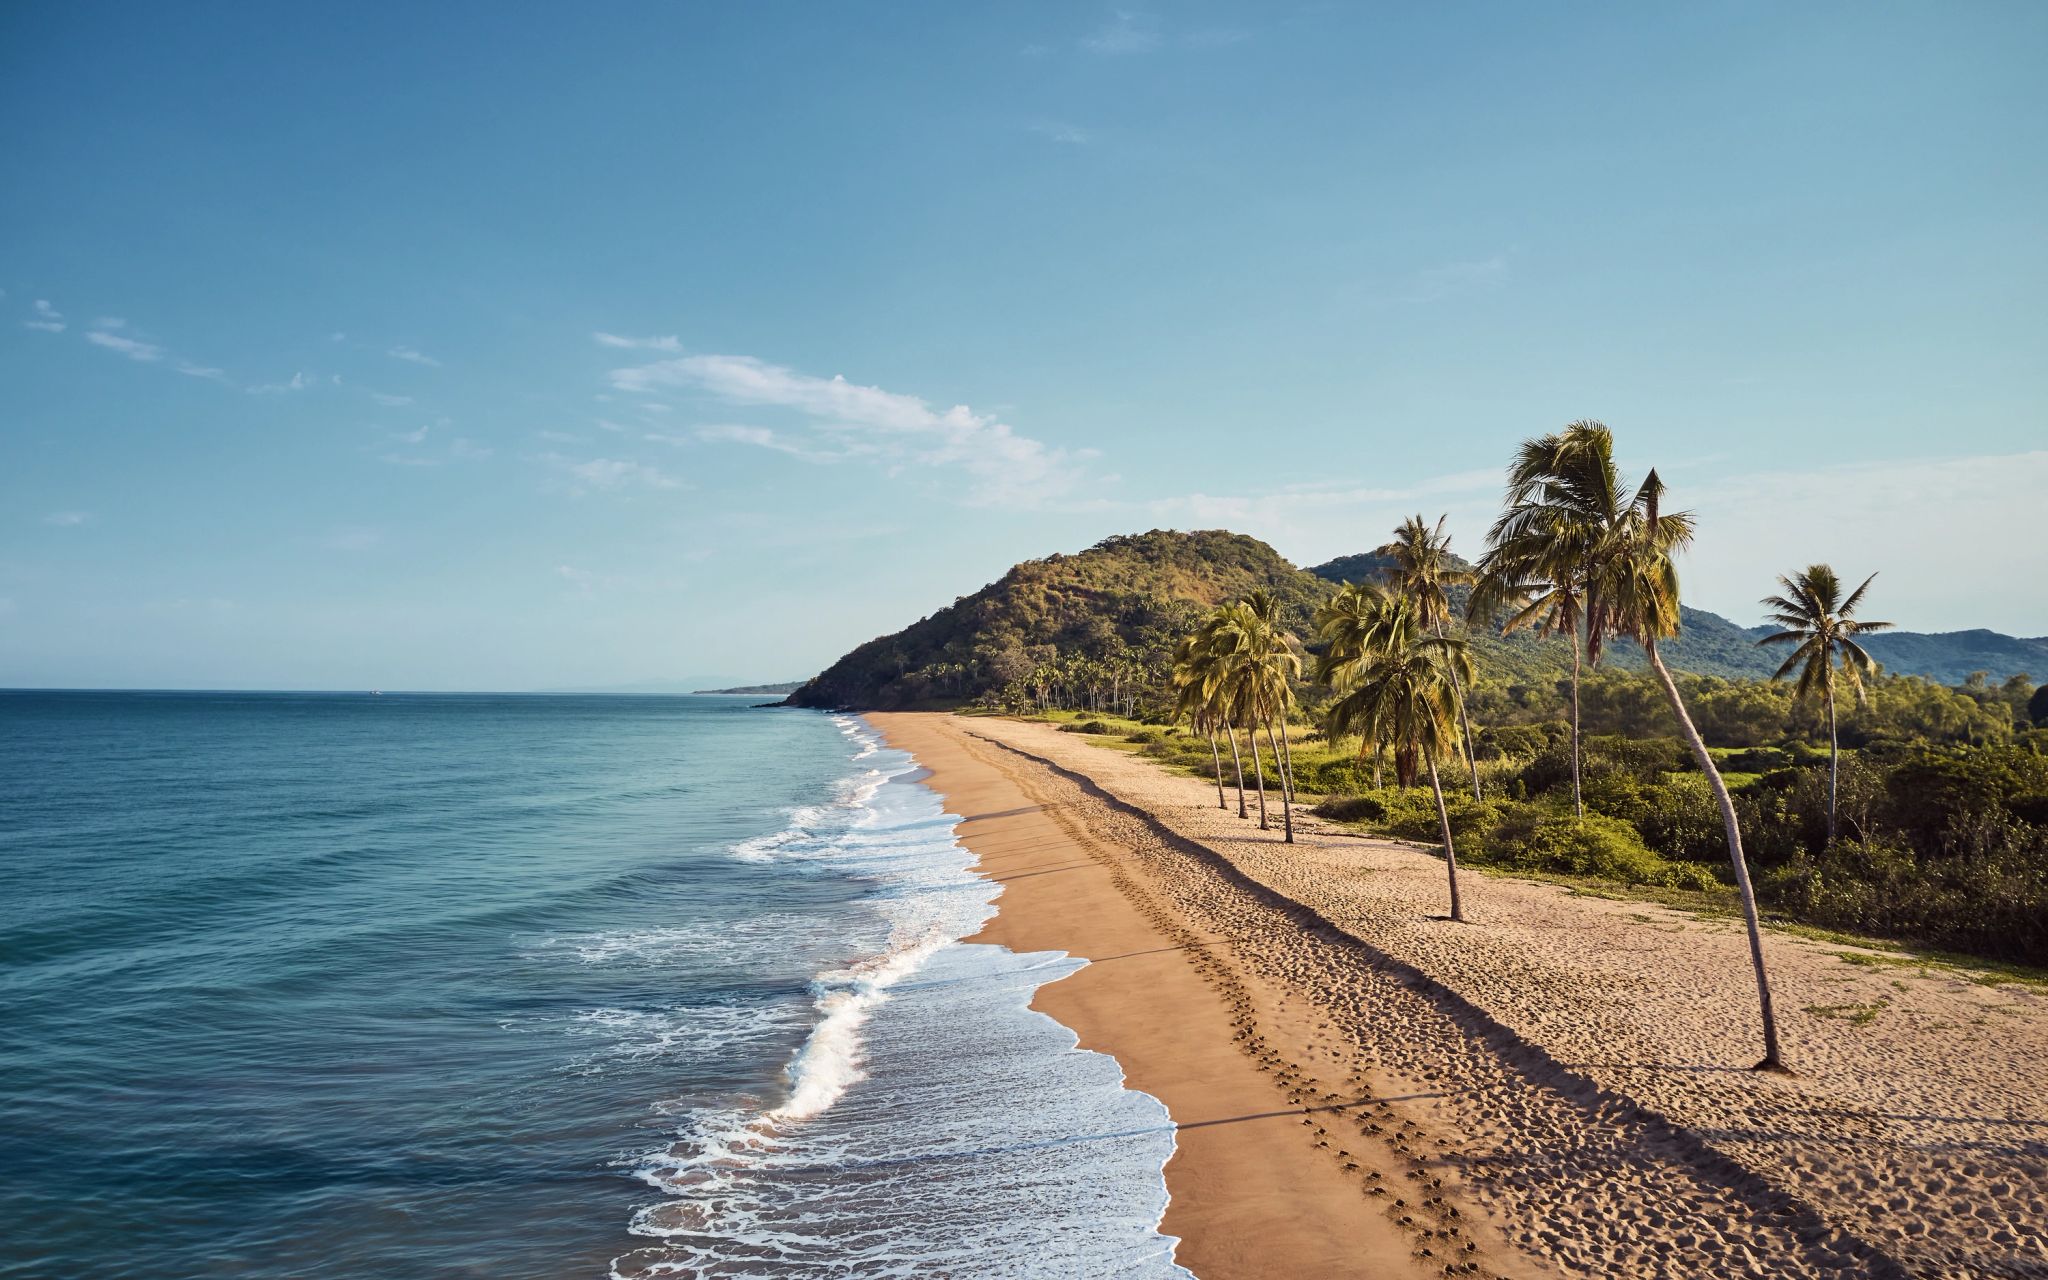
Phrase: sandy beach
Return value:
(1362, 1088)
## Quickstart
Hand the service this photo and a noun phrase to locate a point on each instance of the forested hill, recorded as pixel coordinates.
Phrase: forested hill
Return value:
(1129, 597)
(1124, 601)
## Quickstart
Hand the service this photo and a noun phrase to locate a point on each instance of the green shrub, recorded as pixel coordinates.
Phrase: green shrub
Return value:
(1087, 726)
(1606, 848)
(1365, 808)
(1679, 819)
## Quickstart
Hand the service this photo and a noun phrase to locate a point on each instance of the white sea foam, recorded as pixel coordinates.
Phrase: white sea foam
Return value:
(1025, 1156)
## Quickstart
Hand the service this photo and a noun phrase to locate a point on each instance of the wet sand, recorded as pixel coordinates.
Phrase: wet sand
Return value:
(1365, 1089)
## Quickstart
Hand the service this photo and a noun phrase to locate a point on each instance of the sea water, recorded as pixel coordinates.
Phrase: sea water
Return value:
(509, 986)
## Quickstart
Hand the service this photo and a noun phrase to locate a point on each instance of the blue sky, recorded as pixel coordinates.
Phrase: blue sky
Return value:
(502, 346)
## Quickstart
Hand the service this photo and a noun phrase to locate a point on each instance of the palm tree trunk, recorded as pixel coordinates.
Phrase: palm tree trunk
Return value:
(1772, 1060)
(1834, 761)
(1237, 762)
(1259, 772)
(1443, 816)
(1464, 724)
(1379, 760)
(1281, 754)
(1578, 804)
(1217, 756)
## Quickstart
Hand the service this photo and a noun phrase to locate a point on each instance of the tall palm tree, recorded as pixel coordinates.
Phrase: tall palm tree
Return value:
(1536, 576)
(1424, 570)
(1357, 626)
(1408, 697)
(1638, 587)
(1824, 626)
(1565, 497)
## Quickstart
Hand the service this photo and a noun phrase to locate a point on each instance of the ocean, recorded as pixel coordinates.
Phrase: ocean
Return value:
(525, 986)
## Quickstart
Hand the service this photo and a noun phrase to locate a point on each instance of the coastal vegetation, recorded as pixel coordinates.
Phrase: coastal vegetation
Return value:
(1616, 737)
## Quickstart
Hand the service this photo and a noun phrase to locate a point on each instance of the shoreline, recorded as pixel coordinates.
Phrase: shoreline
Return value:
(1249, 1191)
(1554, 1088)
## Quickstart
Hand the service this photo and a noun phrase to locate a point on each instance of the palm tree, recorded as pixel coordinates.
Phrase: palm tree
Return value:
(1204, 658)
(1357, 626)
(1424, 570)
(1537, 576)
(1270, 668)
(1259, 665)
(1191, 702)
(1638, 593)
(1565, 497)
(1824, 626)
(1408, 697)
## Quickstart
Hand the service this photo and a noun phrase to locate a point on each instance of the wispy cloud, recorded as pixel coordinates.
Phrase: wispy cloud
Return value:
(106, 333)
(1126, 33)
(1057, 131)
(670, 343)
(609, 473)
(417, 435)
(413, 355)
(113, 333)
(298, 382)
(208, 372)
(1305, 508)
(390, 401)
(68, 519)
(761, 438)
(1003, 467)
(47, 318)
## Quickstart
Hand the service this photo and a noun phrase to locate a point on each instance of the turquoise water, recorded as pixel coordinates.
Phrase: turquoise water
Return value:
(421, 985)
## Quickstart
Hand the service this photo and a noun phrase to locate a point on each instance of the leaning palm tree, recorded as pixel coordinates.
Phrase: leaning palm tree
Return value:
(1424, 570)
(1408, 698)
(1638, 586)
(1824, 626)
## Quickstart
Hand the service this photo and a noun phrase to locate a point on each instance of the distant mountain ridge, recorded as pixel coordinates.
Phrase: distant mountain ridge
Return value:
(1711, 645)
(1141, 592)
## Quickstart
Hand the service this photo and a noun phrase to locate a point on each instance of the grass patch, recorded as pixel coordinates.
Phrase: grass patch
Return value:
(1861, 1015)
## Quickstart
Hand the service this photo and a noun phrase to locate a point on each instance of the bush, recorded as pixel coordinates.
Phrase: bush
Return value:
(1599, 846)
(1411, 814)
(1679, 819)
(1365, 808)
(1992, 901)
(1087, 726)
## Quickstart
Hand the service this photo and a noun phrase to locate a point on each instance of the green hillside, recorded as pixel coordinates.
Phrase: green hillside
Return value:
(1126, 597)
